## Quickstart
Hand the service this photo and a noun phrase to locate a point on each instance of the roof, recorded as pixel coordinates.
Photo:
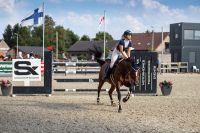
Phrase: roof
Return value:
(143, 41)
(35, 49)
(82, 46)
(3, 45)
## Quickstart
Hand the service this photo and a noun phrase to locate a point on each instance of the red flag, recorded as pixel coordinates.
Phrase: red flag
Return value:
(102, 19)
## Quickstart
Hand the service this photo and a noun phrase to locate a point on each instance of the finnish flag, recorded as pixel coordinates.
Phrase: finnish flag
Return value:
(33, 19)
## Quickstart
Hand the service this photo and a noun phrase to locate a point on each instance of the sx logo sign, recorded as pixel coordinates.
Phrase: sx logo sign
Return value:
(26, 67)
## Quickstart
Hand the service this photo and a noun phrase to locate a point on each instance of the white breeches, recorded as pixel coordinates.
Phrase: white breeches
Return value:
(115, 55)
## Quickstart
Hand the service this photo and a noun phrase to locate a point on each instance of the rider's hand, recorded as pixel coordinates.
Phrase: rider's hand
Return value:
(128, 59)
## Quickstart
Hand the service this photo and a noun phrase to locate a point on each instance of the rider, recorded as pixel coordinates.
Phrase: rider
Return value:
(124, 48)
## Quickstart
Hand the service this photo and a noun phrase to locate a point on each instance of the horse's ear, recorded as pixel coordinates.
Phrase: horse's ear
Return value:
(139, 64)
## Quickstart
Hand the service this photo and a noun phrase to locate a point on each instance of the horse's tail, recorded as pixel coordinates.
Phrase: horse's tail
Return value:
(97, 54)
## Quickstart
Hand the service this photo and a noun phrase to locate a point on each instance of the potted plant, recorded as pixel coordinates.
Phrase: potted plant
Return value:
(6, 87)
(166, 87)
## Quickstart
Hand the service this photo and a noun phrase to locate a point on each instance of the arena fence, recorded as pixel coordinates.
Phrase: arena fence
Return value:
(176, 67)
(148, 75)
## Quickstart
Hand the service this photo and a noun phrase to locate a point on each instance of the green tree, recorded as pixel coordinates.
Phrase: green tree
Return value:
(25, 36)
(49, 31)
(100, 36)
(33, 36)
(8, 36)
(61, 38)
(85, 38)
(71, 38)
(36, 36)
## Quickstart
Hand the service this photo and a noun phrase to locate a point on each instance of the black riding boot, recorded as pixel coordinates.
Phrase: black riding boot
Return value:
(107, 73)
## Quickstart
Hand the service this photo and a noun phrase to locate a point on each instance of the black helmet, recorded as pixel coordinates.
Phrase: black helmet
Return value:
(127, 32)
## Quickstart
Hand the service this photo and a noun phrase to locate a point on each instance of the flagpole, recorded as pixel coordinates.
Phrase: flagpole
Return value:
(162, 44)
(56, 45)
(104, 40)
(43, 31)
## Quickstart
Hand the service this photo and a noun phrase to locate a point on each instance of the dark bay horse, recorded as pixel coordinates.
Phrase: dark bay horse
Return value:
(123, 73)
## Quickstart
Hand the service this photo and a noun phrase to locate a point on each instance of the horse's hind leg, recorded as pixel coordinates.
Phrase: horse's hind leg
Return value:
(112, 88)
(99, 90)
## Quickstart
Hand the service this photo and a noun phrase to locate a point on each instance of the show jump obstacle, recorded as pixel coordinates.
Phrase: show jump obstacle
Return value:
(47, 88)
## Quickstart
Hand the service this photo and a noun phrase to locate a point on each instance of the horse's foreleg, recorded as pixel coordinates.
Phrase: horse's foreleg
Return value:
(125, 99)
(112, 88)
(119, 99)
(99, 90)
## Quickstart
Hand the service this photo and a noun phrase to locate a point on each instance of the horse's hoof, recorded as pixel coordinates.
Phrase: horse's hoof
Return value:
(124, 100)
(113, 104)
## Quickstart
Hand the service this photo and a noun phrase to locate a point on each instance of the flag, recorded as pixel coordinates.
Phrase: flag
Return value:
(101, 21)
(34, 18)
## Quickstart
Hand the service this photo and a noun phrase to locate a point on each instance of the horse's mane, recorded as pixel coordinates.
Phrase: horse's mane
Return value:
(97, 54)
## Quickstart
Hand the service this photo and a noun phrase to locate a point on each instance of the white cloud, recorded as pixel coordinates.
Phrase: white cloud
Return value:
(150, 13)
(80, 23)
(116, 25)
(195, 9)
(88, 24)
(158, 14)
(131, 3)
(135, 24)
(78, 19)
(7, 5)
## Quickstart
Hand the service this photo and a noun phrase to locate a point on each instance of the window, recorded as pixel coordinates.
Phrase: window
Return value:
(188, 34)
(176, 36)
(192, 57)
(192, 34)
(166, 47)
(197, 35)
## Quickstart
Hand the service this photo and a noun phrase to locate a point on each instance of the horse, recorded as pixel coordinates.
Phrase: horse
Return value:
(118, 77)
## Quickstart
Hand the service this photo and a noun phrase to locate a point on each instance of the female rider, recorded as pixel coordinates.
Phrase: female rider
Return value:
(123, 48)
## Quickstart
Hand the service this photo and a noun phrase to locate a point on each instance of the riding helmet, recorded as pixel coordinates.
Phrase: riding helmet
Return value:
(127, 32)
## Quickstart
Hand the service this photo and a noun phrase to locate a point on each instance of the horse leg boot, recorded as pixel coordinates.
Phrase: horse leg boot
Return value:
(119, 98)
(107, 73)
(99, 90)
(112, 88)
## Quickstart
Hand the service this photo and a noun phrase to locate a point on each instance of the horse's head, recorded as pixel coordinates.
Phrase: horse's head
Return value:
(133, 71)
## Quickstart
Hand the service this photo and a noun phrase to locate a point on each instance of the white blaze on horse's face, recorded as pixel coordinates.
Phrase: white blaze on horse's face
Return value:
(136, 73)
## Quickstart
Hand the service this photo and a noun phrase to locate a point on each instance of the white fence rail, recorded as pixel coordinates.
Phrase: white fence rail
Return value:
(75, 67)
(176, 67)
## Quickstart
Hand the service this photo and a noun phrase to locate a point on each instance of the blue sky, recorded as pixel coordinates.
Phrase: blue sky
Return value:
(82, 16)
